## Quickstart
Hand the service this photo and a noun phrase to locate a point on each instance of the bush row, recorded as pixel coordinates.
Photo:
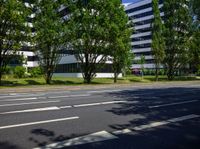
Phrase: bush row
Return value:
(20, 72)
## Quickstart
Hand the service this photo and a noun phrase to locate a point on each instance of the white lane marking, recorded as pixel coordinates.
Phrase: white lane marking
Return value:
(124, 131)
(19, 99)
(55, 107)
(38, 122)
(104, 135)
(32, 110)
(24, 95)
(65, 107)
(104, 91)
(173, 120)
(67, 96)
(95, 137)
(99, 103)
(183, 118)
(171, 104)
(151, 125)
(28, 103)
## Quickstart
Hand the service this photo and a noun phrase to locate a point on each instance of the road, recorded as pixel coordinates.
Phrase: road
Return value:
(149, 117)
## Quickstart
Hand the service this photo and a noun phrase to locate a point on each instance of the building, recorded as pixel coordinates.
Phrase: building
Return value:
(140, 12)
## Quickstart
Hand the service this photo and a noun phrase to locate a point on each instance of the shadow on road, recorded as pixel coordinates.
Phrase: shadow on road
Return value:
(7, 145)
(146, 98)
(184, 135)
(42, 137)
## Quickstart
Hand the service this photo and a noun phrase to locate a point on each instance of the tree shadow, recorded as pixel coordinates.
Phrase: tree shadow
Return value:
(8, 145)
(168, 137)
(33, 82)
(65, 82)
(139, 102)
(49, 136)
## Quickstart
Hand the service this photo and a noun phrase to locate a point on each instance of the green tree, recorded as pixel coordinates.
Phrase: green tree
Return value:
(158, 44)
(177, 25)
(13, 30)
(49, 35)
(89, 30)
(195, 36)
(196, 8)
(119, 38)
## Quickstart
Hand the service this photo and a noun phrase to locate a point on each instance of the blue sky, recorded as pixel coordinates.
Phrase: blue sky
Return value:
(128, 1)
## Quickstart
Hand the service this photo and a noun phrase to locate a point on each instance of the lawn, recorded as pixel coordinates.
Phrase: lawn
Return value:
(9, 81)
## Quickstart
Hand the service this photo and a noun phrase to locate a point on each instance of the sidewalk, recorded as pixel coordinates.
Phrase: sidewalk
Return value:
(43, 88)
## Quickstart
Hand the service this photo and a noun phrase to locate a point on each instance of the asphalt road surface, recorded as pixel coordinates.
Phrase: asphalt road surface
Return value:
(151, 117)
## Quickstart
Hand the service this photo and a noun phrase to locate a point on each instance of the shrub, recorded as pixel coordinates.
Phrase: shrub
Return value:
(8, 70)
(162, 72)
(19, 71)
(36, 72)
(198, 72)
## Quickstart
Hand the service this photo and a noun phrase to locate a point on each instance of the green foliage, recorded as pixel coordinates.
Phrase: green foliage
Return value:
(8, 70)
(119, 38)
(196, 8)
(13, 15)
(195, 50)
(158, 43)
(19, 72)
(162, 72)
(49, 37)
(92, 25)
(198, 72)
(36, 72)
(177, 26)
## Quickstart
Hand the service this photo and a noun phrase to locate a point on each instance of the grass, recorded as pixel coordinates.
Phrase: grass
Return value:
(9, 81)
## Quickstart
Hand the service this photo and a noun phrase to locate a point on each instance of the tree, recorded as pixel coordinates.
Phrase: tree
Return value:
(49, 35)
(89, 23)
(177, 25)
(158, 44)
(13, 30)
(196, 8)
(119, 38)
(195, 51)
(195, 36)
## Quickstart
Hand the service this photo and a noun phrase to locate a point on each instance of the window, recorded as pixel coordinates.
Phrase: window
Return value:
(147, 45)
(141, 38)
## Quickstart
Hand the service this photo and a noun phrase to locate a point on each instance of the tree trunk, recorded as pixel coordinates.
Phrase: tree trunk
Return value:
(156, 73)
(170, 73)
(48, 77)
(0, 78)
(87, 78)
(115, 77)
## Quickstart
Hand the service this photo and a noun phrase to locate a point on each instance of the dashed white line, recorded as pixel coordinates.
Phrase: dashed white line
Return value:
(32, 110)
(55, 107)
(172, 104)
(38, 122)
(19, 99)
(104, 91)
(28, 103)
(99, 103)
(65, 107)
(67, 96)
